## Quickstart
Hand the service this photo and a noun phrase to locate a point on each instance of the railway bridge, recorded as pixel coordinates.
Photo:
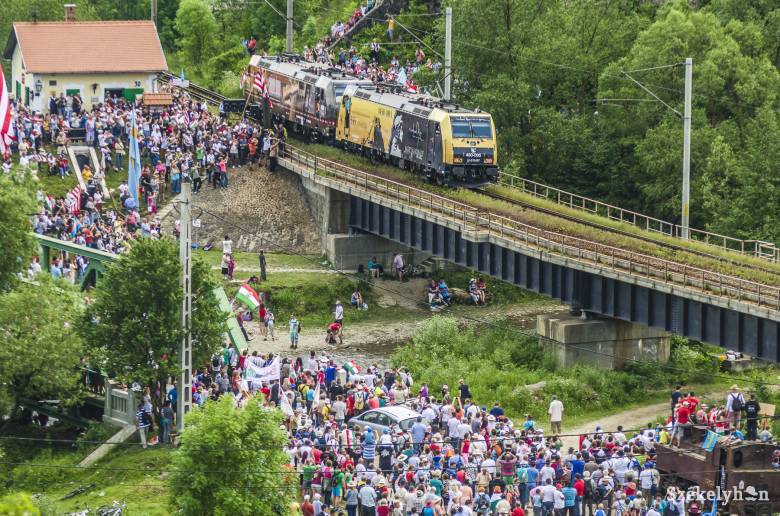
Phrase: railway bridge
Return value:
(590, 276)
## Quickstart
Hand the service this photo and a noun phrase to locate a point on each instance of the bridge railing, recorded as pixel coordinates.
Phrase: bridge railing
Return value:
(634, 263)
(760, 249)
(387, 187)
(615, 258)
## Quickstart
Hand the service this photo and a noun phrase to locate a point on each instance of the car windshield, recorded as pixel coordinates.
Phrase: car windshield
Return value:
(471, 127)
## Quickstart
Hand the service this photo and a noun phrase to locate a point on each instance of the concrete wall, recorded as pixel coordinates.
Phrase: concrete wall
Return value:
(345, 248)
(603, 342)
(347, 251)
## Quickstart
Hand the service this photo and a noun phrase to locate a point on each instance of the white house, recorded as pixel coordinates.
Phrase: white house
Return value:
(94, 59)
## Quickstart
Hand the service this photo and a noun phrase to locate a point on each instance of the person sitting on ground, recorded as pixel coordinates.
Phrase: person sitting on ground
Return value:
(481, 289)
(433, 294)
(473, 293)
(444, 292)
(357, 300)
(374, 269)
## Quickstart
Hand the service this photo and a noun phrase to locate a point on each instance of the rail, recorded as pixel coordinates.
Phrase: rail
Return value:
(760, 249)
(474, 220)
(194, 90)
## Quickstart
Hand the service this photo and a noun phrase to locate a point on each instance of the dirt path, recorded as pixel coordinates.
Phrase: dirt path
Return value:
(629, 419)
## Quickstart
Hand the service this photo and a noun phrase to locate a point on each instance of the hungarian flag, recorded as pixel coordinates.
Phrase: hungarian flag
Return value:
(352, 367)
(248, 296)
(6, 128)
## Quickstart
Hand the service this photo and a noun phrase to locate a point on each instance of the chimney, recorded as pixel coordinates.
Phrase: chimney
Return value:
(70, 13)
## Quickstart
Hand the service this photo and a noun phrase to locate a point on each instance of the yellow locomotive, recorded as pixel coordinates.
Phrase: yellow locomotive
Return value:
(444, 142)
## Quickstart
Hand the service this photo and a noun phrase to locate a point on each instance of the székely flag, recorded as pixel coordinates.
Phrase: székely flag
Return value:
(248, 296)
(352, 367)
(710, 440)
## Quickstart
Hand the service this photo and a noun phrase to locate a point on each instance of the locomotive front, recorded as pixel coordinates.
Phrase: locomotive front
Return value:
(470, 147)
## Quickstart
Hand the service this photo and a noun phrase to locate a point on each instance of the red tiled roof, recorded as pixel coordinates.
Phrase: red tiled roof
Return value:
(88, 47)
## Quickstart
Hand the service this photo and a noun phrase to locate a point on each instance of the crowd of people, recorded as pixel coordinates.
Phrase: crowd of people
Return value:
(452, 455)
(183, 140)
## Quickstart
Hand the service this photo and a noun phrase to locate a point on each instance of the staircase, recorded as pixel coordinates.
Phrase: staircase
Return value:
(378, 14)
(83, 150)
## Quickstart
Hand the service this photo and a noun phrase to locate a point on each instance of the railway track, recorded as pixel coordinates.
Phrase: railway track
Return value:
(604, 227)
(194, 90)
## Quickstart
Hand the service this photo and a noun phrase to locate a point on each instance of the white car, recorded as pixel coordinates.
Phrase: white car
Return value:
(385, 417)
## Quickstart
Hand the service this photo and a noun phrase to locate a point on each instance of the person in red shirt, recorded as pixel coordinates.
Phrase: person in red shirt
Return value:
(579, 485)
(693, 402)
(683, 420)
(307, 508)
(517, 511)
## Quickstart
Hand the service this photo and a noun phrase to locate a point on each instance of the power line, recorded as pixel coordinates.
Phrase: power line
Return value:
(291, 472)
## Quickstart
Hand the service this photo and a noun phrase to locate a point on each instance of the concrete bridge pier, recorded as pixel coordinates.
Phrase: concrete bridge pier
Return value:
(603, 342)
(344, 246)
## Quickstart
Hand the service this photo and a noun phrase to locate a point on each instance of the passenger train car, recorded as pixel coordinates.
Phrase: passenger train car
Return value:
(303, 94)
(441, 141)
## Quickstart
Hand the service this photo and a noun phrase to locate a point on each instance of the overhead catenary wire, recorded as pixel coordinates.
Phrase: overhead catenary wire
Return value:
(636, 431)
(290, 472)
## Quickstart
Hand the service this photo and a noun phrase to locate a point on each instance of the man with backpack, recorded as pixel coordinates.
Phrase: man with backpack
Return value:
(734, 404)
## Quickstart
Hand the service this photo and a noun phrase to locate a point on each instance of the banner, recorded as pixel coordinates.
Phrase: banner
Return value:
(269, 373)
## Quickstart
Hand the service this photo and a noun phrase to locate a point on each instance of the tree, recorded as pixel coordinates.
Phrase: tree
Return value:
(16, 205)
(18, 504)
(134, 323)
(231, 461)
(41, 352)
(197, 28)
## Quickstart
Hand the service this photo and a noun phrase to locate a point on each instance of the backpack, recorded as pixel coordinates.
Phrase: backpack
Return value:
(359, 401)
(736, 403)
(481, 502)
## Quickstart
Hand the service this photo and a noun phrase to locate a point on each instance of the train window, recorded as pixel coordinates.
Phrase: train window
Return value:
(737, 458)
(339, 88)
(471, 127)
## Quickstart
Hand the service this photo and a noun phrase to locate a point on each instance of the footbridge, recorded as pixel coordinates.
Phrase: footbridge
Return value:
(99, 261)
(590, 276)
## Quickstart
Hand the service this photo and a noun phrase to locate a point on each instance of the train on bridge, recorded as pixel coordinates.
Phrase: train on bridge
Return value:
(441, 141)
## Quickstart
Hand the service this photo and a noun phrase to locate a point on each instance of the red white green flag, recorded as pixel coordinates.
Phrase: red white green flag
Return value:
(248, 296)
(352, 367)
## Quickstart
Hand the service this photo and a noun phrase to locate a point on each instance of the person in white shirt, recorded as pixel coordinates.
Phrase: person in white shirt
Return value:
(227, 245)
(398, 266)
(556, 415)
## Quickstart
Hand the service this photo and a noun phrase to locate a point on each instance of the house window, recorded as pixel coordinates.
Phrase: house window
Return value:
(137, 84)
(52, 83)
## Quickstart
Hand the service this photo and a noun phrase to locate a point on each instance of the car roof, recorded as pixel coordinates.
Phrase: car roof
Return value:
(399, 412)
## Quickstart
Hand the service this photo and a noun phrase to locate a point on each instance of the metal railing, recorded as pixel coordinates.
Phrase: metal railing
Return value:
(760, 249)
(473, 220)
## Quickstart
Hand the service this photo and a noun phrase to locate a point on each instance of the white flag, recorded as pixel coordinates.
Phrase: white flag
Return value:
(316, 401)
(285, 406)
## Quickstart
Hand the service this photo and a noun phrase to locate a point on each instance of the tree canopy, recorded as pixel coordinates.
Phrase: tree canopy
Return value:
(16, 205)
(230, 461)
(135, 318)
(41, 353)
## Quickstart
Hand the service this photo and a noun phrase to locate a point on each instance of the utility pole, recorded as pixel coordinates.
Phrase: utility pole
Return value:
(289, 25)
(686, 186)
(154, 12)
(448, 53)
(184, 389)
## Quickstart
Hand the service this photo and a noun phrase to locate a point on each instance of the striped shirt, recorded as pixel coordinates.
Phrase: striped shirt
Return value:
(139, 416)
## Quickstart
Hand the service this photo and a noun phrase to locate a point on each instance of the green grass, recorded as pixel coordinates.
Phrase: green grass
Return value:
(54, 474)
(273, 260)
(312, 297)
(742, 266)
